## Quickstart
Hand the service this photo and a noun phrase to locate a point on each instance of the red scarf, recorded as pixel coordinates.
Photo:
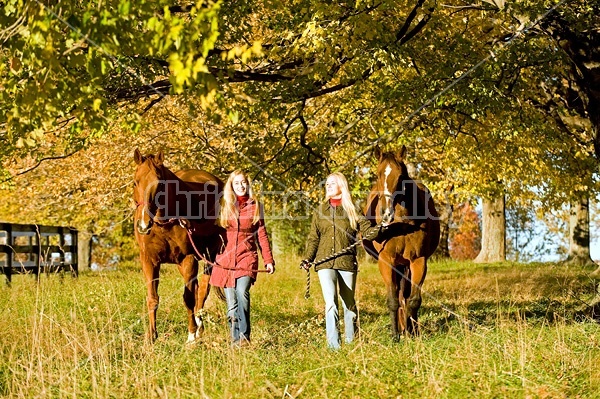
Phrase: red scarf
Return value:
(335, 202)
(242, 199)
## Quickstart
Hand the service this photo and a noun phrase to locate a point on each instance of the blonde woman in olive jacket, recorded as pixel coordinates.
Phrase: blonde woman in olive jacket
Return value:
(335, 225)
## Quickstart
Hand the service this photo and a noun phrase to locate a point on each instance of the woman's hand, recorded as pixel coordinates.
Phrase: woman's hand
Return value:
(270, 268)
(305, 264)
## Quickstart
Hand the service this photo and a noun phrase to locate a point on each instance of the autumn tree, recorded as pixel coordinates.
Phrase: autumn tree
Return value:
(289, 91)
(543, 76)
(307, 95)
(575, 31)
(465, 238)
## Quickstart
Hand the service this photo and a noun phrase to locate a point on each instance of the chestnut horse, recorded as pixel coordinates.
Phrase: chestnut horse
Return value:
(171, 208)
(412, 236)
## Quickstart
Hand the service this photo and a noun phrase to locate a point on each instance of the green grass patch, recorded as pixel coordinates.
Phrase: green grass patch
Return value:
(506, 330)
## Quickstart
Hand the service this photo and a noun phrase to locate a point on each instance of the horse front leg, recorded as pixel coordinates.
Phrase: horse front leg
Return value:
(386, 268)
(189, 271)
(418, 271)
(403, 293)
(201, 295)
(151, 271)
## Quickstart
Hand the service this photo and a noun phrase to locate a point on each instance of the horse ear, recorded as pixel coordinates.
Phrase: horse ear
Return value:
(160, 157)
(401, 153)
(377, 152)
(138, 157)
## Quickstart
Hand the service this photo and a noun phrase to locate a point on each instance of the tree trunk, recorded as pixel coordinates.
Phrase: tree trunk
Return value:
(583, 49)
(493, 231)
(84, 249)
(579, 233)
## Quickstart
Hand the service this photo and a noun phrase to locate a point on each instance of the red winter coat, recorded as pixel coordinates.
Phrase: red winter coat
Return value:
(241, 250)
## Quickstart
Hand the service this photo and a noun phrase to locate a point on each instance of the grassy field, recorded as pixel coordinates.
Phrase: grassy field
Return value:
(488, 331)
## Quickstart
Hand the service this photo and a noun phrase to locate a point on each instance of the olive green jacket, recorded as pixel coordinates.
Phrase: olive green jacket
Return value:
(330, 232)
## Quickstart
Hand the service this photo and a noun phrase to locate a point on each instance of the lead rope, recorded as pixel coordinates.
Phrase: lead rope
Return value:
(325, 259)
(307, 293)
(214, 264)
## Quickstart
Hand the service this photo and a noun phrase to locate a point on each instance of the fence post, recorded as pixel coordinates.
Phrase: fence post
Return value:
(74, 265)
(9, 254)
(34, 243)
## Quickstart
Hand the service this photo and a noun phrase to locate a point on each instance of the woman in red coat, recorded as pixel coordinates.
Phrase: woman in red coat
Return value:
(236, 267)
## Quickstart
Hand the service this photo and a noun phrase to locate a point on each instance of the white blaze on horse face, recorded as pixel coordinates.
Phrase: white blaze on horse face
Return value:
(143, 224)
(388, 170)
(387, 208)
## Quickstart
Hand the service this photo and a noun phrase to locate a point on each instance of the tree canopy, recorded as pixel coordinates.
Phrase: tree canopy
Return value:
(488, 96)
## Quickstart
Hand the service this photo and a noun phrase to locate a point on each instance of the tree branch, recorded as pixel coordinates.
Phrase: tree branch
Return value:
(183, 9)
(287, 139)
(550, 109)
(39, 163)
(318, 159)
(409, 20)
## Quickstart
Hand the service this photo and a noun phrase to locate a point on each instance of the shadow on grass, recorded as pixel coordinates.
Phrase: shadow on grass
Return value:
(489, 295)
(439, 319)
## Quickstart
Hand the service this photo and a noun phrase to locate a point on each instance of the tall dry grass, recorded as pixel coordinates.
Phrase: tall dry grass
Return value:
(523, 331)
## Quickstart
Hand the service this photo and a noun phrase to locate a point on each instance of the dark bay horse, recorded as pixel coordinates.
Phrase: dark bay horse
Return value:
(412, 237)
(171, 208)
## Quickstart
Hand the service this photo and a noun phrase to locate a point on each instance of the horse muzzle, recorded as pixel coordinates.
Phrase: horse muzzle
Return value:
(387, 215)
(144, 228)
(387, 209)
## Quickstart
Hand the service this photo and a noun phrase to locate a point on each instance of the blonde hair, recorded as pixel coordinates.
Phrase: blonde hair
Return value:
(228, 208)
(347, 203)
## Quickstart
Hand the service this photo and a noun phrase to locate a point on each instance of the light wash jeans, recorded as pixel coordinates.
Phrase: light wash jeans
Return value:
(238, 308)
(330, 279)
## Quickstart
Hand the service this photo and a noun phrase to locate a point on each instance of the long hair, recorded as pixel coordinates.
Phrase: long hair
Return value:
(347, 203)
(228, 208)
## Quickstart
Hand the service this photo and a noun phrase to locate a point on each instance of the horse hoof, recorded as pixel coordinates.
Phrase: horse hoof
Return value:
(199, 316)
(151, 338)
(397, 337)
(191, 339)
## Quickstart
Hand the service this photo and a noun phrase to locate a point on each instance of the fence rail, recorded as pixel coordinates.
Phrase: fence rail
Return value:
(31, 248)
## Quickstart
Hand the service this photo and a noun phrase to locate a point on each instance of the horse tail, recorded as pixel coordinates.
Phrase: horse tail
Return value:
(370, 249)
(403, 279)
(220, 293)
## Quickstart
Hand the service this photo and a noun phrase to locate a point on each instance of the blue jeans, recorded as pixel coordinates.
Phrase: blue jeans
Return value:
(330, 279)
(238, 308)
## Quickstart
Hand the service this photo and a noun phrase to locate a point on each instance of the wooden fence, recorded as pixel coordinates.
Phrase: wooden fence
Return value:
(35, 249)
